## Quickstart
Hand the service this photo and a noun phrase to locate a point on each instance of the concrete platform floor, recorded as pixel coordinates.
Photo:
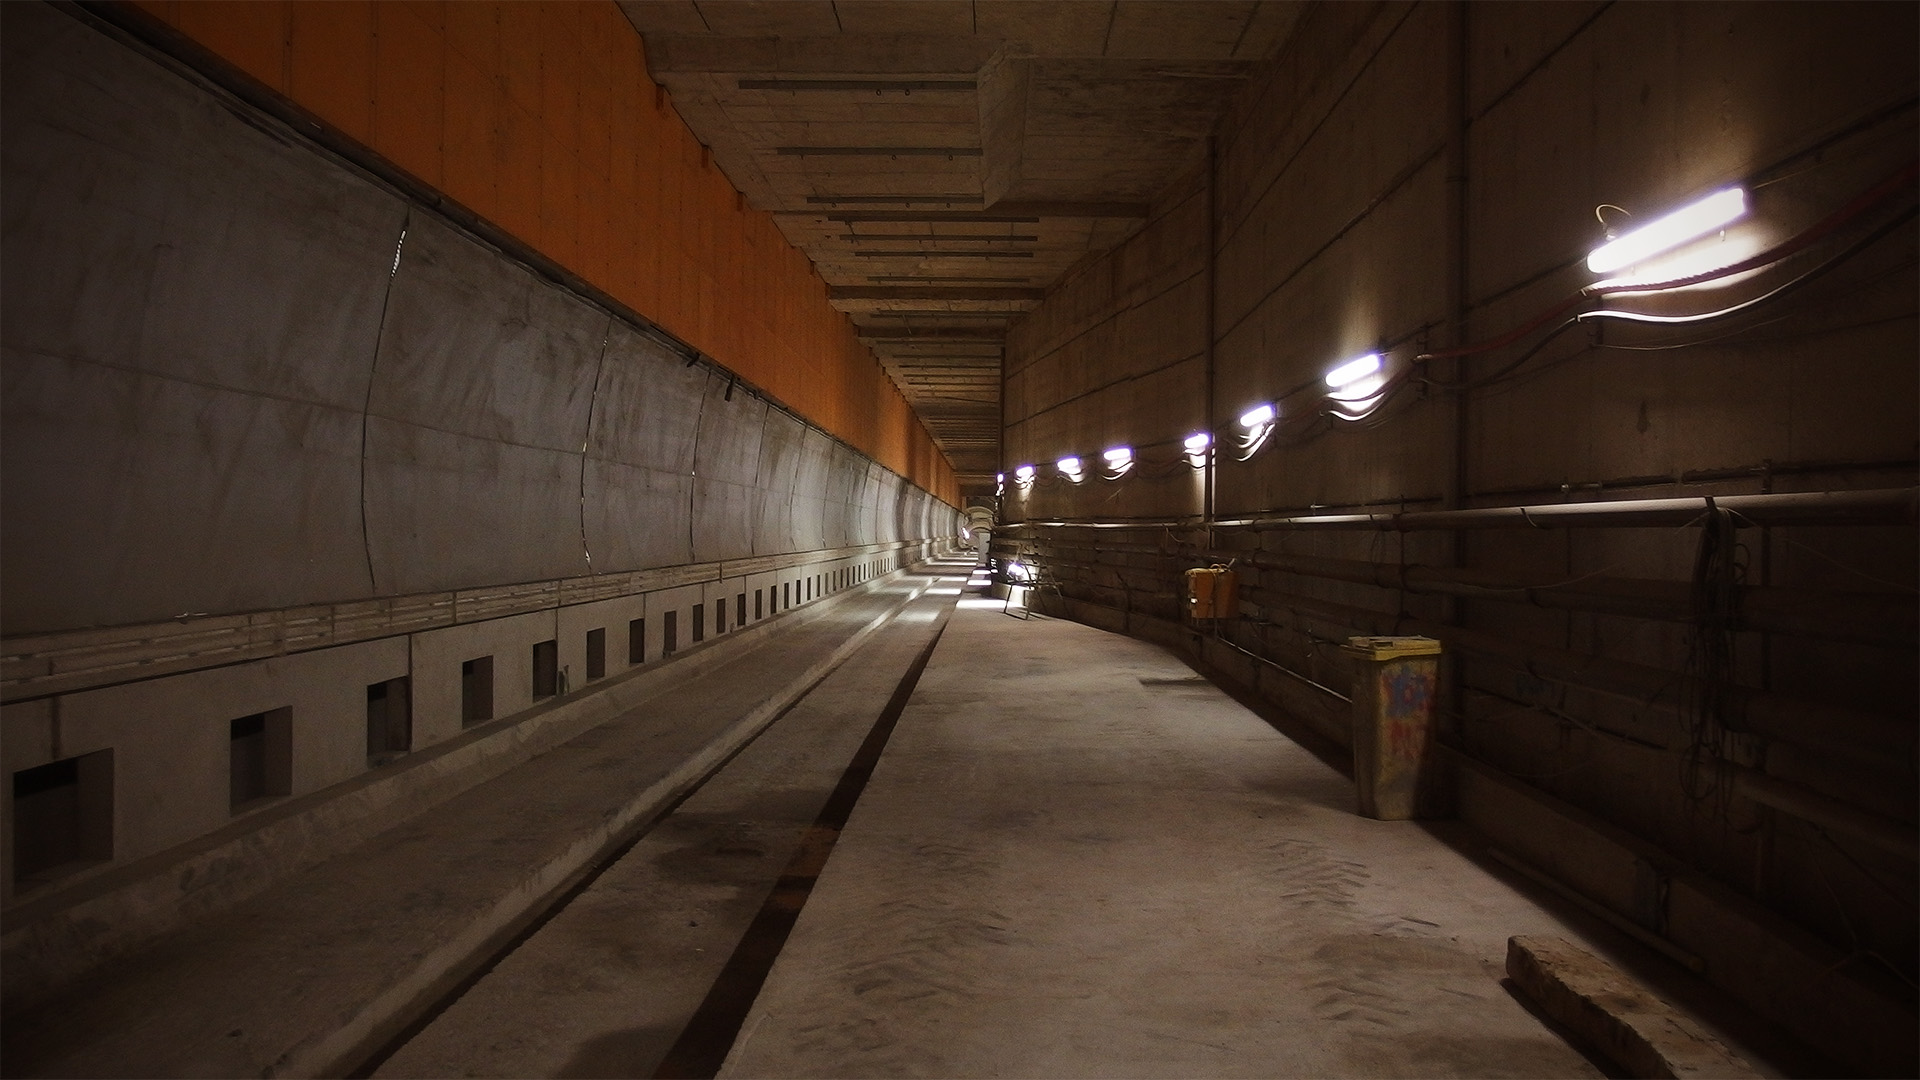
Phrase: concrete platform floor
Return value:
(608, 984)
(1079, 858)
(1059, 852)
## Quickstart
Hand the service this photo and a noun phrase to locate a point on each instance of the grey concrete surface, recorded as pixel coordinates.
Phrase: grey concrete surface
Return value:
(606, 986)
(218, 343)
(1078, 858)
(309, 976)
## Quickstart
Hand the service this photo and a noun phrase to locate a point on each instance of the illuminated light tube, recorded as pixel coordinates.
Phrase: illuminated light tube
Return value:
(1353, 371)
(1687, 223)
(1197, 443)
(1119, 455)
(1023, 474)
(1068, 464)
(999, 478)
(1256, 416)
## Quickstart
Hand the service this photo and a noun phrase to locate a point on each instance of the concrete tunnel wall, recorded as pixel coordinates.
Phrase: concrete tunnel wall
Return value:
(247, 385)
(1323, 232)
(540, 119)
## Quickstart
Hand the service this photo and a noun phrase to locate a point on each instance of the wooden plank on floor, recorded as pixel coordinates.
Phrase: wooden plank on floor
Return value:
(1602, 1005)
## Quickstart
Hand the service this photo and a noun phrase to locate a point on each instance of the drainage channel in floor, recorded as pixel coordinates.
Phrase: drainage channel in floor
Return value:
(703, 1044)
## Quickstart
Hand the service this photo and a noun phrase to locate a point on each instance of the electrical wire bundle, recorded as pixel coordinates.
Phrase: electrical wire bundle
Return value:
(1590, 306)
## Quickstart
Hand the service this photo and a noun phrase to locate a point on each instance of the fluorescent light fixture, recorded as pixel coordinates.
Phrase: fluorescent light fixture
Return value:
(1254, 417)
(999, 478)
(1353, 370)
(1068, 465)
(1197, 443)
(1023, 474)
(1690, 221)
(1119, 455)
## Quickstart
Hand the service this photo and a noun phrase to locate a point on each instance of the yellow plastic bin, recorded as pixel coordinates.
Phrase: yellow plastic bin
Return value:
(1396, 766)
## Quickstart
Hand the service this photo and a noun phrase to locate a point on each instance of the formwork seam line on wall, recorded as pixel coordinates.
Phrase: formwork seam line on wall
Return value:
(1361, 73)
(287, 122)
(586, 439)
(366, 403)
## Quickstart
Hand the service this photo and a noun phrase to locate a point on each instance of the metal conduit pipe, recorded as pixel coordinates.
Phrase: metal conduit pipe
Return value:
(1867, 737)
(1804, 723)
(1890, 506)
(1888, 835)
(1883, 506)
(1864, 618)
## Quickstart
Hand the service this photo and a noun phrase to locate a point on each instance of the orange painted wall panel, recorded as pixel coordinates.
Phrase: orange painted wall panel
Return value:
(540, 117)
(330, 62)
(409, 75)
(253, 37)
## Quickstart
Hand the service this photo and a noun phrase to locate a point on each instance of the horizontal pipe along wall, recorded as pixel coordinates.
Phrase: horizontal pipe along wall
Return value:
(1700, 714)
(275, 433)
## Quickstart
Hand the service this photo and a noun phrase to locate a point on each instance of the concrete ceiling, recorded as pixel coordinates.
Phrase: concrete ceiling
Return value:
(944, 161)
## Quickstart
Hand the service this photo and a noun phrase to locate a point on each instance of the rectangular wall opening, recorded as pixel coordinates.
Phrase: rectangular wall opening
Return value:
(740, 610)
(476, 690)
(62, 817)
(670, 630)
(546, 669)
(720, 616)
(259, 758)
(389, 720)
(758, 611)
(786, 595)
(636, 641)
(699, 623)
(597, 653)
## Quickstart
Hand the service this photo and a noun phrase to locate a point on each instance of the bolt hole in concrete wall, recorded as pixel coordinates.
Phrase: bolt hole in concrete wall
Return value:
(476, 690)
(597, 653)
(259, 758)
(636, 641)
(546, 668)
(389, 720)
(62, 817)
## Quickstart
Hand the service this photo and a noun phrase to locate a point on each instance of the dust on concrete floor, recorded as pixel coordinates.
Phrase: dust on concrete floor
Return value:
(1078, 858)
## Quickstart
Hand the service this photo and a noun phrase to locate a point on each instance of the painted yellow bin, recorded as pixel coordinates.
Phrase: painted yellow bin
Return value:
(1396, 771)
(1212, 593)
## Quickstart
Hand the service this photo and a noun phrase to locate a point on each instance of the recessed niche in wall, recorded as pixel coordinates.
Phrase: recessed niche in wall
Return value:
(546, 669)
(62, 817)
(670, 633)
(786, 595)
(699, 623)
(597, 653)
(476, 690)
(759, 598)
(259, 758)
(720, 616)
(389, 720)
(636, 641)
(740, 610)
